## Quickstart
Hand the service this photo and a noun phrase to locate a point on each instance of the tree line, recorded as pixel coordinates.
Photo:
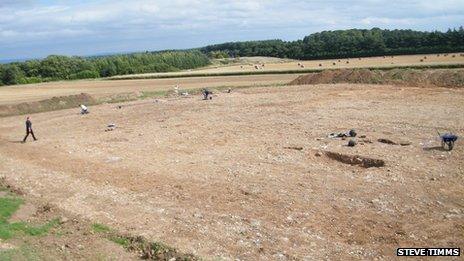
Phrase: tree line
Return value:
(57, 67)
(322, 45)
(346, 43)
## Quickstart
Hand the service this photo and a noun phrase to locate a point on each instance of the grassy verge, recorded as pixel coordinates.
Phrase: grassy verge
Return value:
(9, 204)
(302, 71)
(147, 249)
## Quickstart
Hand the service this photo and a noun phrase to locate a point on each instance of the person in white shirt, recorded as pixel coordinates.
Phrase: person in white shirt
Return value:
(84, 109)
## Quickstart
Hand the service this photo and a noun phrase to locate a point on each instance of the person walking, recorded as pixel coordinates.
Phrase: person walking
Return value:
(29, 129)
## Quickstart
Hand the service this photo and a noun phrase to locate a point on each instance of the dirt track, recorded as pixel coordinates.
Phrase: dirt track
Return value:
(215, 177)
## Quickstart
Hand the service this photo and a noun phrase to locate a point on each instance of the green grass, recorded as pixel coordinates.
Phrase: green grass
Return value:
(110, 234)
(100, 228)
(123, 241)
(139, 244)
(152, 94)
(8, 206)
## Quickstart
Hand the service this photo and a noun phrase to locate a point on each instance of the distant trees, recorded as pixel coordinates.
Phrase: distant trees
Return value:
(348, 43)
(57, 67)
(326, 44)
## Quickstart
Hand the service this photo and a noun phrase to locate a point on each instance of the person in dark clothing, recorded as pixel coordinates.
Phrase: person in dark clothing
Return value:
(29, 129)
(207, 94)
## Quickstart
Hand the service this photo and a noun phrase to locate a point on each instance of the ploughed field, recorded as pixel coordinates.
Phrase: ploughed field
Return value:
(251, 174)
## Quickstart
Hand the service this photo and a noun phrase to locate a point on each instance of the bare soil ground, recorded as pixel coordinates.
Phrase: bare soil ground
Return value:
(104, 88)
(246, 175)
(249, 65)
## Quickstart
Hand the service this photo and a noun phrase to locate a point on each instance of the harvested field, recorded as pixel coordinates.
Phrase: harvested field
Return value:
(254, 65)
(105, 88)
(239, 176)
(453, 78)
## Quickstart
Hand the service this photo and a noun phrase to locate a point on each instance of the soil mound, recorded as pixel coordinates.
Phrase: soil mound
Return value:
(453, 78)
(55, 103)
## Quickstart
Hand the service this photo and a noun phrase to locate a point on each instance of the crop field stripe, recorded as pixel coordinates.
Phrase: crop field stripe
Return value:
(384, 68)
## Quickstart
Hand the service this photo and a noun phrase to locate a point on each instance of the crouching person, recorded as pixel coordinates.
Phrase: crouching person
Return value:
(207, 94)
(84, 109)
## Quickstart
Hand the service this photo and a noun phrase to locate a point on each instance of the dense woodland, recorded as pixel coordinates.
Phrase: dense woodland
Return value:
(346, 43)
(327, 44)
(57, 67)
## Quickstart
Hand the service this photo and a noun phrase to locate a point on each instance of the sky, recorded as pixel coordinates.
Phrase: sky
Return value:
(35, 29)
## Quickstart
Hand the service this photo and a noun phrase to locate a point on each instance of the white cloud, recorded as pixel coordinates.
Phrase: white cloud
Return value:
(121, 23)
(376, 21)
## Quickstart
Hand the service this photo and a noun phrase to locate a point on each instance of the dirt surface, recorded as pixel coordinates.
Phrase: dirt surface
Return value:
(104, 88)
(256, 65)
(452, 78)
(244, 175)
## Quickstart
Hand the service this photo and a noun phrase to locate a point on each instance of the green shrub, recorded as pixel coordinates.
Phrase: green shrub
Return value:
(84, 75)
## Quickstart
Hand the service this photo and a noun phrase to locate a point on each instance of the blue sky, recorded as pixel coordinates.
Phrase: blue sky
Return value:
(30, 29)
